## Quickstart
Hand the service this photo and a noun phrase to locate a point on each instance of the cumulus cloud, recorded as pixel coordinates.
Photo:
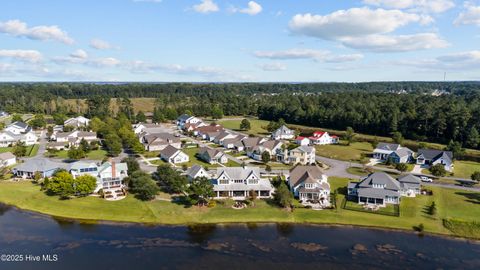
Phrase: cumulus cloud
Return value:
(316, 55)
(429, 6)
(273, 66)
(253, 9)
(100, 44)
(206, 6)
(18, 28)
(23, 55)
(470, 15)
(368, 29)
(79, 54)
(399, 43)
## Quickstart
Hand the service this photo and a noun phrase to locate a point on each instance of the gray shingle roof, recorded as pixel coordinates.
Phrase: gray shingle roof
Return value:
(432, 154)
(40, 165)
(387, 146)
(169, 151)
(238, 172)
(380, 178)
(409, 178)
(299, 174)
(19, 124)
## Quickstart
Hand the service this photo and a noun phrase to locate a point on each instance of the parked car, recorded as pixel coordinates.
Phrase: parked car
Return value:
(426, 179)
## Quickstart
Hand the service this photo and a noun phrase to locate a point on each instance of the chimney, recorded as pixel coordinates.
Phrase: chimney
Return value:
(114, 169)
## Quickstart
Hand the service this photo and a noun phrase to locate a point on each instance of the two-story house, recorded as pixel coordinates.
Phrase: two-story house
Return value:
(322, 138)
(238, 182)
(283, 133)
(304, 155)
(308, 183)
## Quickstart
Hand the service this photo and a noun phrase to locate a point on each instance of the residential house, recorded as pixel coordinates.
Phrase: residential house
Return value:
(7, 159)
(271, 147)
(304, 155)
(233, 142)
(248, 143)
(190, 127)
(212, 156)
(308, 183)
(3, 114)
(184, 119)
(109, 175)
(238, 182)
(159, 141)
(62, 140)
(302, 140)
(204, 131)
(379, 188)
(77, 122)
(197, 171)
(8, 138)
(145, 128)
(322, 138)
(429, 157)
(18, 128)
(283, 133)
(224, 135)
(44, 166)
(174, 155)
(410, 185)
(395, 152)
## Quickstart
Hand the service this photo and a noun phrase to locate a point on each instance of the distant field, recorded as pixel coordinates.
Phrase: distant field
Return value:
(354, 152)
(255, 124)
(464, 169)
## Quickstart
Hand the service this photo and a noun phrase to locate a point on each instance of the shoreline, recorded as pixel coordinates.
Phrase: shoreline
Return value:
(237, 223)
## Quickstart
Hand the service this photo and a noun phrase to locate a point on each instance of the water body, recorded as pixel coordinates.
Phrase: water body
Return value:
(104, 246)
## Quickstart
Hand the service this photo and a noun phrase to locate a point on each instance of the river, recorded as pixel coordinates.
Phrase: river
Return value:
(42, 242)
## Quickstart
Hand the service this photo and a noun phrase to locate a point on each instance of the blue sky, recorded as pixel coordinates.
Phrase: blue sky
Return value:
(239, 40)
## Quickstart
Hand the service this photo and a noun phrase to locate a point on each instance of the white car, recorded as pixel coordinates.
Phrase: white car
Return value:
(426, 179)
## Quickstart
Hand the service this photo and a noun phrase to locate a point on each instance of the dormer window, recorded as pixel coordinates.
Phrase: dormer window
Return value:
(309, 186)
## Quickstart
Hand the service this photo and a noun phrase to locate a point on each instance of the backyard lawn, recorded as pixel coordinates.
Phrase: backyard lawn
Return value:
(464, 169)
(31, 150)
(462, 205)
(352, 152)
(93, 155)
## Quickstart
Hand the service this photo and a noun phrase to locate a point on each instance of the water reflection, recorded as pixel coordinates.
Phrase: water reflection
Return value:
(201, 233)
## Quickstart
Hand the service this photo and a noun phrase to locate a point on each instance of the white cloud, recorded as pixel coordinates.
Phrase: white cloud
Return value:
(316, 55)
(100, 44)
(253, 9)
(471, 15)
(367, 29)
(18, 28)
(79, 54)
(23, 55)
(353, 22)
(104, 62)
(428, 6)
(273, 66)
(206, 6)
(396, 43)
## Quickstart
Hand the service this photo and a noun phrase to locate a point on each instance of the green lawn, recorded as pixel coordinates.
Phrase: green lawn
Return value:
(93, 155)
(456, 204)
(352, 152)
(464, 169)
(31, 150)
(255, 124)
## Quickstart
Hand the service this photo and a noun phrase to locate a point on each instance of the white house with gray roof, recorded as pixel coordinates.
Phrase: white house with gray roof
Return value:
(308, 183)
(395, 152)
(197, 171)
(44, 166)
(8, 138)
(212, 156)
(173, 155)
(379, 188)
(237, 182)
(77, 122)
(429, 157)
(18, 128)
(109, 175)
(283, 133)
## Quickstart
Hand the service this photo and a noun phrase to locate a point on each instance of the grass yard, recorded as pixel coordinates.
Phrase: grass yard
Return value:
(32, 150)
(354, 152)
(191, 152)
(255, 124)
(451, 204)
(93, 155)
(464, 169)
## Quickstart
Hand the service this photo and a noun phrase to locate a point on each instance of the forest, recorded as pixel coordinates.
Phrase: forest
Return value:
(433, 111)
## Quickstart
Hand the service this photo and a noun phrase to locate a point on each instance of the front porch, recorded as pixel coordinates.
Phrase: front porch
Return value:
(241, 194)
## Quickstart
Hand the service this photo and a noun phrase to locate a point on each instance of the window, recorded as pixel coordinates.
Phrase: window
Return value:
(253, 181)
(310, 186)
(223, 182)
